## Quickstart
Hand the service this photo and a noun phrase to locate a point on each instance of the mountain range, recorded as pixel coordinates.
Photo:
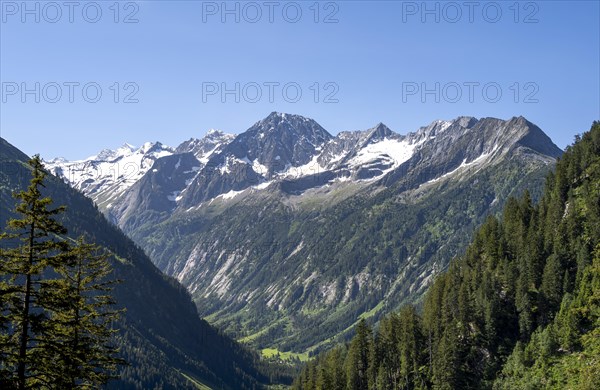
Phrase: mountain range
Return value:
(286, 235)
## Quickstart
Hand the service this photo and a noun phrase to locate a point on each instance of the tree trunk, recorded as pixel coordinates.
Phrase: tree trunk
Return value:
(25, 324)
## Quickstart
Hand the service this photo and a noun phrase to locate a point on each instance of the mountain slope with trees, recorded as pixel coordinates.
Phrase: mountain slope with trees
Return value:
(56, 311)
(520, 309)
(160, 333)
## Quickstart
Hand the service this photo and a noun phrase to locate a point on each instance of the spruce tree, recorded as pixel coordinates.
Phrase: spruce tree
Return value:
(77, 336)
(28, 250)
(358, 360)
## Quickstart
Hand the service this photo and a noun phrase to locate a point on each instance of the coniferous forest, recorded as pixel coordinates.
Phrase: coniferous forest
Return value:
(519, 310)
(56, 315)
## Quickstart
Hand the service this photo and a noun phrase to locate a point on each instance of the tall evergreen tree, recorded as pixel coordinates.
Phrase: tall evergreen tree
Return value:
(27, 252)
(359, 354)
(77, 337)
(411, 348)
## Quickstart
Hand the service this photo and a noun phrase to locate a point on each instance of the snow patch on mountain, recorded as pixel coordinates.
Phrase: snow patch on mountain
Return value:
(174, 196)
(479, 160)
(104, 176)
(398, 151)
(262, 186)
(231, 194)
(310, 168)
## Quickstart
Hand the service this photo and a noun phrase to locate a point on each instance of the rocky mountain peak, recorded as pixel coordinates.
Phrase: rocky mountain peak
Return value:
(153, 147)
(465, 121)
(280, 140)
(279, 124)
(379, 132)
(212, 133)
(204, 147)
(127, 146)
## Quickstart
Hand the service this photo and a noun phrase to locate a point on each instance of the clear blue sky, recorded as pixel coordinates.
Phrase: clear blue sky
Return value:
(376, 58)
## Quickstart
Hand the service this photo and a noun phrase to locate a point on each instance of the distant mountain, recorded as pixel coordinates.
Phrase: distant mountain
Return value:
(205, 147)
(161, 336)
(109, 173)
(285, 235)
(267, 150)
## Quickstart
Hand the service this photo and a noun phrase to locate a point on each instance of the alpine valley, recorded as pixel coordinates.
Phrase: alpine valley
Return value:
(161, 337)
(286, 236)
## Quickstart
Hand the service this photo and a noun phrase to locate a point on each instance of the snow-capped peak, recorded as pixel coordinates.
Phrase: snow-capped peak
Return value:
(203, 148)
(128, 146)
(125, 150)
(212, 133)
(57, 160)
(108, 174)
(148, 146)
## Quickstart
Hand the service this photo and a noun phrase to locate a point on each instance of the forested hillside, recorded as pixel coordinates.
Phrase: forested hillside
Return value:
(161, 336)
(519, 310)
